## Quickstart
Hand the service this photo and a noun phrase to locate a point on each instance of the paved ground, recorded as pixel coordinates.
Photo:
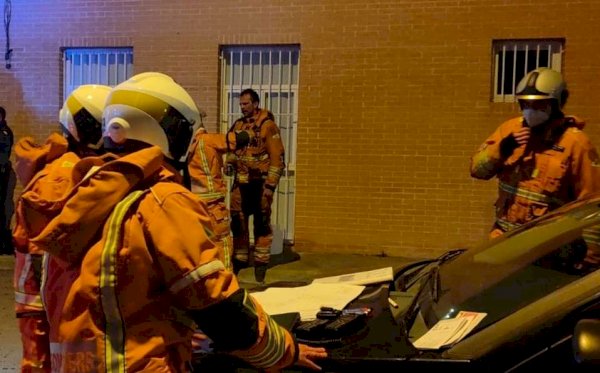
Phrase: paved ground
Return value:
(288, 266)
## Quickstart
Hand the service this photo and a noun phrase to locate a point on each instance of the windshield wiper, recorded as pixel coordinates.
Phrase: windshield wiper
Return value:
(411, 311)
(412, 273)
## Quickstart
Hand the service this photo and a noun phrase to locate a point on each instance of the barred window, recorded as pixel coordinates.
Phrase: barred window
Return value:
(107, 66)
(513, 59)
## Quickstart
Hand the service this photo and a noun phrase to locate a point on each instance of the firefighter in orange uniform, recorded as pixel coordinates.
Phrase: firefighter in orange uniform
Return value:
(542, 159)
(44, 171)
(205, 165)
(139, 271)
(258, 167)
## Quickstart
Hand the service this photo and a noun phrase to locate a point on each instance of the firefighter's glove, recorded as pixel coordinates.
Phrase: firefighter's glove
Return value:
(267, 197)
(243, 138)
(514, 140)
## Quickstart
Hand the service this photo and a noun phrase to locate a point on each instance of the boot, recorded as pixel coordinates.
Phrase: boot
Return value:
(238, 265)
(260, 271)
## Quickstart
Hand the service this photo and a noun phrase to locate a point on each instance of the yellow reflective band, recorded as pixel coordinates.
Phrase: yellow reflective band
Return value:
(274, 335)
(205, 167)
(114, 338)
(33, 300)
(210, 197)
(20, 285)
(153, 106)
(196, 275)
(73, 105)
(532, 196)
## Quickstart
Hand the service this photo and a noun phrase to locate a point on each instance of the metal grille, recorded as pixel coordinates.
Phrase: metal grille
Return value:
(107, 66)
(513, 59)
(272, 71)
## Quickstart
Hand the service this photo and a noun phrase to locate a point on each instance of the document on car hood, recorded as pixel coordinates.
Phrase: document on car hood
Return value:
(449, 331)
(360, 278)
(307, 300)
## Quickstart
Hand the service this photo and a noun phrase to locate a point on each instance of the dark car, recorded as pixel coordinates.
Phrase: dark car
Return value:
(531, 285)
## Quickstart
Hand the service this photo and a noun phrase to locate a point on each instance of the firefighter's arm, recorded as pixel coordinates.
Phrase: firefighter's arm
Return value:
(500, 149)
(585, 167)
(199, 283)
(275, 151)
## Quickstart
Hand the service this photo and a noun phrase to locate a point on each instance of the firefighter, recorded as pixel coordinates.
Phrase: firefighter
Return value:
(140, 272)
(44, 170)
(205, 165)
(542, 159)
(258, 168)
(6, 186)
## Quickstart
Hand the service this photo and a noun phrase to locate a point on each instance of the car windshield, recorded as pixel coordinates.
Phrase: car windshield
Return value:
(504, 275)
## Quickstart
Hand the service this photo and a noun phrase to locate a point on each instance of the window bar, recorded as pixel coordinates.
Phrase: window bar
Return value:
(514, 72)
(251, 67)
(98, 67)
(288, 138)
(65, 71)
(116, 67)
(537, 56)
(80, 68)
(503, 71)
(107, 69)
(230, 119)
(526, 59)
(241, 82)
(260, 69)
(549, 55)
(270, 72)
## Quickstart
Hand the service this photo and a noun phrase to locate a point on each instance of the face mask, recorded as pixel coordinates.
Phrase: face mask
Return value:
(535, 117)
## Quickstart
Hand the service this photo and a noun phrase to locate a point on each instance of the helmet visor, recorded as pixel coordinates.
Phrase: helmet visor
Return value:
(89, 130)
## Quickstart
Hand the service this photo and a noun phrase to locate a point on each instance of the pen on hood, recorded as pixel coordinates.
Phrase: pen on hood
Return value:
(392, 303)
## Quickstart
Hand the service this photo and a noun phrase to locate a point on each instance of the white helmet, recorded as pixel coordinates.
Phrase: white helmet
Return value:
(542, 84)
(152, 108)
(81, 114)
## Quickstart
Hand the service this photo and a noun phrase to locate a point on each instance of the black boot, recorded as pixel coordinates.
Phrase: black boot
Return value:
(260, 271)
(238, 265)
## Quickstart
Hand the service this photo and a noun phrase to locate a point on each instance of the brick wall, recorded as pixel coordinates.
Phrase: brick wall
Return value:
(394, 96)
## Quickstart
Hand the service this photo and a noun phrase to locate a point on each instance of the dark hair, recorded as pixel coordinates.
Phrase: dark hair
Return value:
(252, 93)
(2, 113)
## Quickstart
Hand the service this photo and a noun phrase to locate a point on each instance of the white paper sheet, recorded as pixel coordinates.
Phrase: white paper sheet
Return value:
(449, 331)
(360, 278)
(307, 300)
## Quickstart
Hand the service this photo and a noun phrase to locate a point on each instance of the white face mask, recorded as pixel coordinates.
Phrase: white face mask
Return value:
(535, 117)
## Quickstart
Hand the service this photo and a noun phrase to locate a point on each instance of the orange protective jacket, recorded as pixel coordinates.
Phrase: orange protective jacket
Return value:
(42, 170)
(205, 163)
(264, 157)
(558, 166)
(141, 272)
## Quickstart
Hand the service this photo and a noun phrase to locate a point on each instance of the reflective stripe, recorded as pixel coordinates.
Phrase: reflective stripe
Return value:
(275, 342)
(227, 251)
(34, 300)
(506, 225)
(254, 158)
(592, 235)
(196, 275)
(532, 196)
(45, 260)
(205, 166)
(24, 273)
(209, 197)
(275, 171)
(114, 338)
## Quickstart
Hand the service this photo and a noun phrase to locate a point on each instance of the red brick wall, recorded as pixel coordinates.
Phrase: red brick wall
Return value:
(394, 96)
